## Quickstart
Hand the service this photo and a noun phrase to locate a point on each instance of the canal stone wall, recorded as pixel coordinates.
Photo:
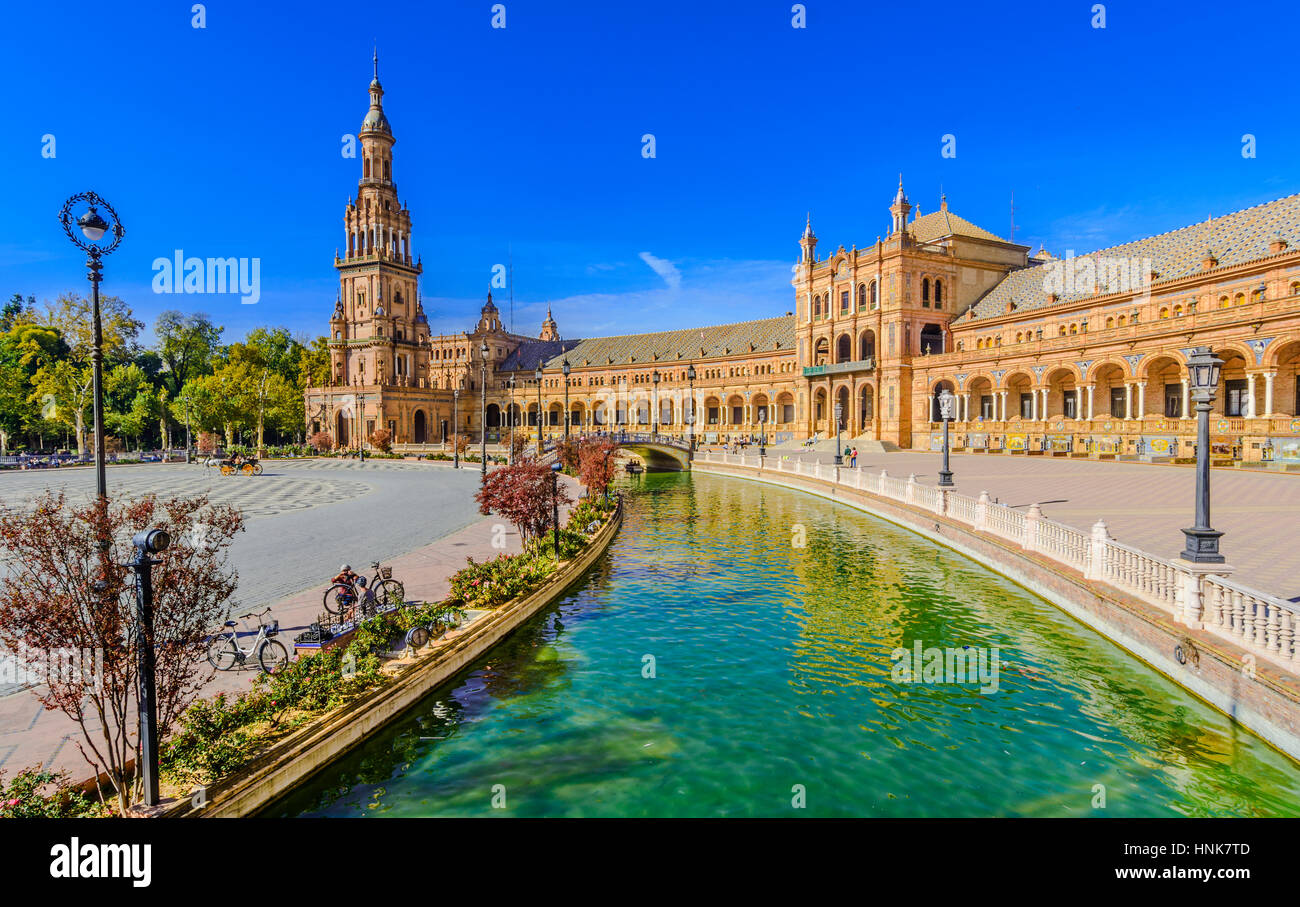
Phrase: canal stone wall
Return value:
(1259, 693)
(302, 754)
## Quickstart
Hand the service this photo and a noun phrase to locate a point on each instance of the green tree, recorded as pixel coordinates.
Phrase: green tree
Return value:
(187, 345)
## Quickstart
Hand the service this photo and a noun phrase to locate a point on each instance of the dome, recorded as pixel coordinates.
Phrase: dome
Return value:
(375, 121)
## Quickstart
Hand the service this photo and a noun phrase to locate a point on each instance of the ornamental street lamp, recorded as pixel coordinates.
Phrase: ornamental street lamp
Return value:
(482, 417)
(555, 504)
(762, 433)
(1203, 375)
(510, 382)
(538, 375)
(147, 542)
(564, 368)
(455, 428)
(690, 423)
(94, 227)
(947, 408)
(186, 400)
(839, 414)
(654, 424)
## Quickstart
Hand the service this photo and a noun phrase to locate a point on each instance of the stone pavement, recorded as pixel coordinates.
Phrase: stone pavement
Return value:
(1145, 505)
(307, 545)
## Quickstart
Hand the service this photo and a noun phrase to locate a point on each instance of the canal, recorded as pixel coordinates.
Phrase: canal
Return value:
(740, 652)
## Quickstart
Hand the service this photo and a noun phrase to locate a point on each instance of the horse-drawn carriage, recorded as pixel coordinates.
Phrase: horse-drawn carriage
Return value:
(248, 466)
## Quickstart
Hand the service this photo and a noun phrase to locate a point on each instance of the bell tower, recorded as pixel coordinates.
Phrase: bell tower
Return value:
(378, 300)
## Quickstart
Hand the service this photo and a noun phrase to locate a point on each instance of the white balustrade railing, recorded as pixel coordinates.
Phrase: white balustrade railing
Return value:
(1254, 620)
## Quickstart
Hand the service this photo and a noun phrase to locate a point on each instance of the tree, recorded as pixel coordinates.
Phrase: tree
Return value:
(596, 464)
(314, 363)
(381, 439)
(62, 594)
(72, 316)
(187, 345)
(322, 440)
(522, 495)
(16, 311)
(64, 375)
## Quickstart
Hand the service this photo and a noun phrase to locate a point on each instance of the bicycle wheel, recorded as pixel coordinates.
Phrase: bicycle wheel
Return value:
(222, 653)
(257, 469)
(339, 598)
(272, 655)
(227, 469)
(389, 592)
(248, 469)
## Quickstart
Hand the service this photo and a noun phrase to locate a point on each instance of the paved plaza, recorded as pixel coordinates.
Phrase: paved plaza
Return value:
(305, 518)
(1145, 505)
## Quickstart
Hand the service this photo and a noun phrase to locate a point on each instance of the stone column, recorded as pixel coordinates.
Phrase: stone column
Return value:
(1250, 394)
(1142, 397)
(1090, 390)
(1078, 403)
(1186, 399)
(1128, 401)
(1033, 404)
(1044, 409)
(1268, 392)
(1004, 406)
(966, 408)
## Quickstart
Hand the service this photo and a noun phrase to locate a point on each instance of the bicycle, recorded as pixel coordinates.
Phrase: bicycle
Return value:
(224, 651)
(341, 597)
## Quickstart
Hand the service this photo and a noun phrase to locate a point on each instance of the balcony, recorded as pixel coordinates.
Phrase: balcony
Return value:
(837, 368)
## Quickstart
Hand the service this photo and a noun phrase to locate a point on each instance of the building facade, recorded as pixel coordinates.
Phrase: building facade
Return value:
(1081, 355)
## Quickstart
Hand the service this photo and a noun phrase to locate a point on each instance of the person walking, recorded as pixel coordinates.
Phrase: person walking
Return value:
(853, 458)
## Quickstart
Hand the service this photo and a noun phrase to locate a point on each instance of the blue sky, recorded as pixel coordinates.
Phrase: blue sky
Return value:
(526, 141)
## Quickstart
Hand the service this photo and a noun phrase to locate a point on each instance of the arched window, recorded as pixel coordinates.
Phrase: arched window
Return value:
(875, 295)
(862, 297)
(365, 168)
(1110, 322)
(388, 171)
(817, 307)
(1240, 300)
(925, 291)
(1224, 302)
(1164, 312)
(938, 293)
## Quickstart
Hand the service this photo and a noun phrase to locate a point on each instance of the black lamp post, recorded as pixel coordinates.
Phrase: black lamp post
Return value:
(93, 227)
(186, 400)
(455, 429)
(150, 541)
(538, 375)
(690, 423)
(947, 403)
(654, 423)
(762, 433)
(482, 418)
(839, 414)
(564, 368)
(510, 382)
(1203, 375)
(555, 504)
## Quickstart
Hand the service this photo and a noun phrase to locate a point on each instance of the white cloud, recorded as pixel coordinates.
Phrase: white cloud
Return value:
(665, 269)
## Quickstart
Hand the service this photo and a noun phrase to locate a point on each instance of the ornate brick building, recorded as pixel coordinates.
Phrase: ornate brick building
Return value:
(1080, 355)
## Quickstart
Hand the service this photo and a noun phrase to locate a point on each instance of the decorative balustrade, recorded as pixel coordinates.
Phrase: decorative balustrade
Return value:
(1254, 620)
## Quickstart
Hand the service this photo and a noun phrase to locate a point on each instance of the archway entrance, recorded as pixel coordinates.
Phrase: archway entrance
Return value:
(421, 428)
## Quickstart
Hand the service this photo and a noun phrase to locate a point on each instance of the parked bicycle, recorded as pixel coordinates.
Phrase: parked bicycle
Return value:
(224, 651)
(380, 591)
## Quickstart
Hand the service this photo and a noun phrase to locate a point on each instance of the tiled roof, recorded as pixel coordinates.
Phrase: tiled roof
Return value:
(938, 224)
(1233, 238)
(661, 347)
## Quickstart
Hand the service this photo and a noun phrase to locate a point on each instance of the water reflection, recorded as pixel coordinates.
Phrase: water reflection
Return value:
(773, 669)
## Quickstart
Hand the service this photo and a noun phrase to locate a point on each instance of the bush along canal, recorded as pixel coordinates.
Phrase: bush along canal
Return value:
(746, 650)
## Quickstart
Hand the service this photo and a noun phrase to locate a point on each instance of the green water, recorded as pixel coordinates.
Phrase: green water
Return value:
(772, 685)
